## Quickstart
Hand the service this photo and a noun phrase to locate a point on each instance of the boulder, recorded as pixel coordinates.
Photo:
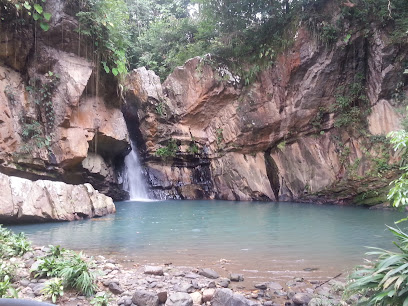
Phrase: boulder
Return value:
(209, 273)
(179, 299)
(197, 298)
(153, 270)
(208, 295)
(234, 277)
(50, 201)
(302, 298)
(145, 298)
(225, 297)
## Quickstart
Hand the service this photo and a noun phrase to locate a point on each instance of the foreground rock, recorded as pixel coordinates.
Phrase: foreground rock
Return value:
(132, 286)
(22, 200)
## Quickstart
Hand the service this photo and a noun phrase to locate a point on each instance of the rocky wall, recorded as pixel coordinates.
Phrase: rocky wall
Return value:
(60, 116)
(284, 136)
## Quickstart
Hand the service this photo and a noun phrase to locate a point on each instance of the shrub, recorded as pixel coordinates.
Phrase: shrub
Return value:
(54, 289)
(385, 281)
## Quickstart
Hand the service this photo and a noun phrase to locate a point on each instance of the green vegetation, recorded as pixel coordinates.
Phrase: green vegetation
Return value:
(54, 289)
(169, 150)
(385, 280)
(101, 300)
(12, 244)
(351, 103)
(28, 10)
(73, 270)
(106, 24)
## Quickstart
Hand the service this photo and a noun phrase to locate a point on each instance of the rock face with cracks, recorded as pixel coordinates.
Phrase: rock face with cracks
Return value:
(282, 137)
(60, 118)
(22, 200)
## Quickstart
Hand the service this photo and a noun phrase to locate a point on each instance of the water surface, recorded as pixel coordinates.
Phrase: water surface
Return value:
(279, 239)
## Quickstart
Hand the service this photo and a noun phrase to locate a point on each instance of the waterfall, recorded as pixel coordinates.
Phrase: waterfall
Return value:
(132, 177)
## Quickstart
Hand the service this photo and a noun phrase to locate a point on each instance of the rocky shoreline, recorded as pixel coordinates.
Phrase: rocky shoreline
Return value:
(174, 285)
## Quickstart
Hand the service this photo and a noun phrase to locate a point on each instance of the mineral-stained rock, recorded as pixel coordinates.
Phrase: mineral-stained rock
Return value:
(49, 200)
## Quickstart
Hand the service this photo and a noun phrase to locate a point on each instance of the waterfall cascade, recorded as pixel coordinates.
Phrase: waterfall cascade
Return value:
(132, 177)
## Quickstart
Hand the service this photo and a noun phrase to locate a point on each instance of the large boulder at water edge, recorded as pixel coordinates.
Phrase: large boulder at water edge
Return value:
(22, 200)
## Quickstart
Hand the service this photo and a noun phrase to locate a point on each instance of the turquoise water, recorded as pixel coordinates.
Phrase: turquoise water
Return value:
(277, 238)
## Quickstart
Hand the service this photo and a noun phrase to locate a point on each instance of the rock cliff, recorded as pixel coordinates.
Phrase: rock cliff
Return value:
(310, 128)
(60, 117)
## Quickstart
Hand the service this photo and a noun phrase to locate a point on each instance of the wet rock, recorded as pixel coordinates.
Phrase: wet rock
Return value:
(234, 277)
(197, 298)
(225, 297)
(153, 270)
(115, 288)
(179, 299)
(145, 298)
(302, 298)
(209, 273)
(208, 295)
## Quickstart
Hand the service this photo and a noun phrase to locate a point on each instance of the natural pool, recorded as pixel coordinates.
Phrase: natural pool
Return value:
(261, 239)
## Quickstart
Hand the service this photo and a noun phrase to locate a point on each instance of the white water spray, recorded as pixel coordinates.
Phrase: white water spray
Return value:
(132, 177)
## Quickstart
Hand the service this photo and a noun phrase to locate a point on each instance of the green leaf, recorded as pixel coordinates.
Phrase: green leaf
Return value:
(27, 5)
(38, 8)
(47, 16)
(36, 16)
(44, 26)
(105, 67)
(115, 71)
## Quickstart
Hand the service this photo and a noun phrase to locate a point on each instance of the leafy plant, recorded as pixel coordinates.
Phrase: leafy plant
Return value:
(101, 300)
(76, 273)
(6, 290)
(13, 244)
(33, 8)
(56, 251)
(169, 150)
(54, 289)
(49, 267)
(282, 145)
(385, 281)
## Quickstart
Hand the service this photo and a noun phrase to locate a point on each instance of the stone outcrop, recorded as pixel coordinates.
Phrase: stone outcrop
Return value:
(22, 200)
(282, 137)
(74, 133)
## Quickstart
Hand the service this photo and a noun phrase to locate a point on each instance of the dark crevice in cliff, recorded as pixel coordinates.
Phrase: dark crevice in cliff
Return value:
(272, 172)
